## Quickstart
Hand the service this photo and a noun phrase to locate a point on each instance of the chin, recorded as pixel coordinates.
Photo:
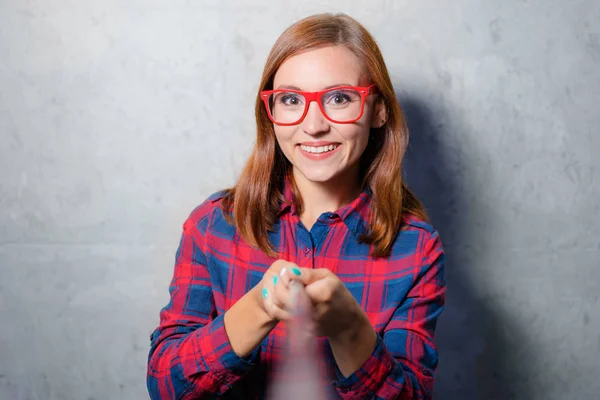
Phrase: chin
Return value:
(317, 175)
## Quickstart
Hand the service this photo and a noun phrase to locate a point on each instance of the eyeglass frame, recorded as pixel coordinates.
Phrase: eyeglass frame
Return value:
(364, 91)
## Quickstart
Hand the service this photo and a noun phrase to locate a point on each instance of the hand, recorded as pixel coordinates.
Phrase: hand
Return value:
(255, 314)
(336, 313)
(274, 291)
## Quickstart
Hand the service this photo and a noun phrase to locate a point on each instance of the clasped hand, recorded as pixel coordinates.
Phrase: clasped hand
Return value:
(333, 309)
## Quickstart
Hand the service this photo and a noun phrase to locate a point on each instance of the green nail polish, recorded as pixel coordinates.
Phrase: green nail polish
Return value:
(296, 271)
(275, 278)
(265, 293)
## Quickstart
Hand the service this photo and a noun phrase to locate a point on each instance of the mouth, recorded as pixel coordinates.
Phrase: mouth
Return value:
(319, 149)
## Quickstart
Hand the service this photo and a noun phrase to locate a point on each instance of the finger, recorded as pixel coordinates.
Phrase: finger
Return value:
(277, 271)
(288, 267)
(276, 312)
(284, 277)
(321, 291)
(281, 296)
(271, 307)
(289, 270)
(275, 280)
(306, 276)
(280, 265)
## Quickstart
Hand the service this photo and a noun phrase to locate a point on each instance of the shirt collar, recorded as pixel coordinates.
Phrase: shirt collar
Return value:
(288, 202)
(355, 215)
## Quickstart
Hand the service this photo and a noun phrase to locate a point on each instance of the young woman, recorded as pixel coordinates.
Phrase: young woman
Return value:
(320, 201)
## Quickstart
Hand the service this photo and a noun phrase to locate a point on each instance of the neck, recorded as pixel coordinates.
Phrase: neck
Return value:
(322, 197)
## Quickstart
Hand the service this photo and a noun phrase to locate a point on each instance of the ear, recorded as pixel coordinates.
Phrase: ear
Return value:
(379, 117)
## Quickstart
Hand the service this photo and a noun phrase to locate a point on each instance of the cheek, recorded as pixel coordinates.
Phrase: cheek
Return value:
(283, 136)
(357, 139)
(358, 133)
(361, 143)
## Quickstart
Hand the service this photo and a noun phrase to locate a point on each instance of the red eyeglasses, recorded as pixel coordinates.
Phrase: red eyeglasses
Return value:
(340, 105)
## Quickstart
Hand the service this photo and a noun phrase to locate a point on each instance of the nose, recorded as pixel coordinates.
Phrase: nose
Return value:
(314, 122)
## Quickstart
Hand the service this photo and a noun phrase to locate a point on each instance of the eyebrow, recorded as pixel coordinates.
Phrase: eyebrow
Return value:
(328, 87)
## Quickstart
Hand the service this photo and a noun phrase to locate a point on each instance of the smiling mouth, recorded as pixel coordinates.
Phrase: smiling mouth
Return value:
(319, 149)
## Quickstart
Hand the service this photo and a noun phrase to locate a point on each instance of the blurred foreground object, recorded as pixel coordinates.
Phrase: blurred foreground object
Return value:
(298, 376)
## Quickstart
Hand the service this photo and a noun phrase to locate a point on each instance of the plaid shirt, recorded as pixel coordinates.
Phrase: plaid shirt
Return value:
(403, 295)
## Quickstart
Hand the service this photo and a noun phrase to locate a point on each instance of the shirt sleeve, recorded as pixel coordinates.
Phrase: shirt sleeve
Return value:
(190, 353)
(405, 358)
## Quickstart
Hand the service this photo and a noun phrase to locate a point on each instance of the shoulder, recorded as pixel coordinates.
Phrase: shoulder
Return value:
(203, 215)
(413, 223)
(417, 235)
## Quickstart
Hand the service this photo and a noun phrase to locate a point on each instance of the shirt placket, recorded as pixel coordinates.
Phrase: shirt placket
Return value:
(306, 247)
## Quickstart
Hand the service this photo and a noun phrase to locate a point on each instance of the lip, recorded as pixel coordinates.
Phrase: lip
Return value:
(318, 143)
(318, 156)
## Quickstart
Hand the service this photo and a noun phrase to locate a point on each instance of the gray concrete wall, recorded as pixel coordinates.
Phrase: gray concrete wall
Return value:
(117, 118)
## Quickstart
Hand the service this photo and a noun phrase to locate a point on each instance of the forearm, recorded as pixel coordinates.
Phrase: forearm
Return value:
(190, 360)
(205, 360)
(369, 370)
(384, 377)
(403, 362)
(352, 348)
(247, 324)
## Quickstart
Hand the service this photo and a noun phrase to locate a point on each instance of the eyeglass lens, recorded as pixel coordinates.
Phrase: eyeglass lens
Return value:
(340, 105)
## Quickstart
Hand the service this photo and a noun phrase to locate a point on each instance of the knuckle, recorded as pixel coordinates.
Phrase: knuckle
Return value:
(327, 292)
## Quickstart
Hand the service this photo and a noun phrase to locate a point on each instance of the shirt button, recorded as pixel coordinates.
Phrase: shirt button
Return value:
(306, 250)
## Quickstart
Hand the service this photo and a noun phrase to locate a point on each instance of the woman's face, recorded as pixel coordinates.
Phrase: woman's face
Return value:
(313, 71)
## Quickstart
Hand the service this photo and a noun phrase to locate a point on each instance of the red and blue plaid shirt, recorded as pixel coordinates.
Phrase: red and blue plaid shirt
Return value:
(403, 296)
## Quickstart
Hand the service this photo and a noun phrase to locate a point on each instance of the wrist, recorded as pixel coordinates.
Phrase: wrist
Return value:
(352, 347)
(247, 324)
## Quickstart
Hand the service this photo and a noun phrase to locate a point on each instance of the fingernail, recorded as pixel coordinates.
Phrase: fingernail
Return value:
(296, 271)
(265, 293)
(275, 280)
(282, 271)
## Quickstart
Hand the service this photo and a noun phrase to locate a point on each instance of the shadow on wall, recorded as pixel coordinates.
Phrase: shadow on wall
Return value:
(476, 343)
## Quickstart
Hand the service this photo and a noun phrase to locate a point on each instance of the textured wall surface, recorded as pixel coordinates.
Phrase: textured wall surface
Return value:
(117, 118)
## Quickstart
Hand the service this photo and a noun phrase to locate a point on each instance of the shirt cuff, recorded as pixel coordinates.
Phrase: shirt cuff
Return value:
(365, 381)
(214, 349)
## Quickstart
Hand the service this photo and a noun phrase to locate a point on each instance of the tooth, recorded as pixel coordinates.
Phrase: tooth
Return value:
(319, 149)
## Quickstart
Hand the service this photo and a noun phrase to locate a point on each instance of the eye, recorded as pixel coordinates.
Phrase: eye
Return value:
(339, 98)
(290, 99)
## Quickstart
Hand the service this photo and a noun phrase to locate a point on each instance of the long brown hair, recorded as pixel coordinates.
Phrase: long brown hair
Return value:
(255, 200)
